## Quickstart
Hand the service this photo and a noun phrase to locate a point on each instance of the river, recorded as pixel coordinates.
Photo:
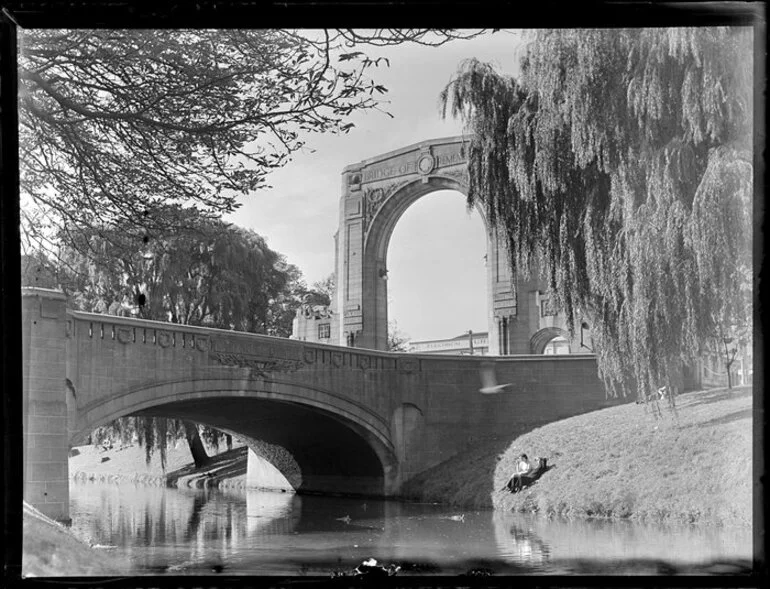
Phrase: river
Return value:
(240, 532)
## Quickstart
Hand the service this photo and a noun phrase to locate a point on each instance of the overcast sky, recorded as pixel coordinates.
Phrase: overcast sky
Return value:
(436, 274)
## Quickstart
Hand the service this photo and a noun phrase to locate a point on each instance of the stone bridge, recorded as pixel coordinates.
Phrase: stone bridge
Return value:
(356, 421)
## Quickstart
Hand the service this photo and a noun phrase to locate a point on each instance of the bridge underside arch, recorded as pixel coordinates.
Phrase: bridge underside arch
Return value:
(335, 454)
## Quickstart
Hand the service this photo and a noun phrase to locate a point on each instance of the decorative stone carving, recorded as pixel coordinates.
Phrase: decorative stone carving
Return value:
(315, 311)
(409, 365)
(426, 163)
(459, 174)
(260, 365)
(364, 362)
(309, 356)
(374, 198)
(202, 343)
(258, 348)
(337, 359)
(164, 339)
(352, 310)
(124, 334)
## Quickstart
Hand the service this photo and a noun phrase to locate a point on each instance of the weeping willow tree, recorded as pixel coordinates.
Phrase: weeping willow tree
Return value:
(620, 165)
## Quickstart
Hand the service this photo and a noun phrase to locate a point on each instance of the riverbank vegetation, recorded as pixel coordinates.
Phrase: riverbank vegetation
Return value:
(694, 465)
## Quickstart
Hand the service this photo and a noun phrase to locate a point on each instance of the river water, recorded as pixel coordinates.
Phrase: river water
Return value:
(249, 532)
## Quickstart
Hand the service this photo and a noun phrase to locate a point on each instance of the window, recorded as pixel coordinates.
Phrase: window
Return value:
(324, 330)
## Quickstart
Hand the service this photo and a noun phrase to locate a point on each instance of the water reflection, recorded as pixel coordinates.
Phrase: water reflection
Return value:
(527, 539)
(202, 531)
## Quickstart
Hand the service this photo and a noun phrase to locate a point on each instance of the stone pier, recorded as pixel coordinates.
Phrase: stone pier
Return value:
(46, 450)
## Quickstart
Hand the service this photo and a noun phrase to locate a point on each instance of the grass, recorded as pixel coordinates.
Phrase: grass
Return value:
(620, 462)
(50, 549)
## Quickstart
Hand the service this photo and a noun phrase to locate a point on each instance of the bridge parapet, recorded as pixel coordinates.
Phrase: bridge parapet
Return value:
(232, 348)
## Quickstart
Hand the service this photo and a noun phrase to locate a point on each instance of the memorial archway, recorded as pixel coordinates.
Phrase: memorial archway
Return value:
(375, 193)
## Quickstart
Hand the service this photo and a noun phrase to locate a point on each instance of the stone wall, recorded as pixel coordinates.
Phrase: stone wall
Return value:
(46, 475)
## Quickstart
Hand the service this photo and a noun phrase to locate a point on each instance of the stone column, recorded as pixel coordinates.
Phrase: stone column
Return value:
(46, 451)
(350, 255)
(502, 303)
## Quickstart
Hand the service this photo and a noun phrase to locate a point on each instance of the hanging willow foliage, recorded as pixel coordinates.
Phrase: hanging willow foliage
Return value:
(621, 163)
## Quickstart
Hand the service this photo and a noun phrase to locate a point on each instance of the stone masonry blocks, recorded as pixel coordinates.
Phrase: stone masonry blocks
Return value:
(46, 484)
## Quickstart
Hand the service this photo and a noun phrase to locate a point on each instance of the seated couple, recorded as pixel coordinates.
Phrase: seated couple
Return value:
(524, 470)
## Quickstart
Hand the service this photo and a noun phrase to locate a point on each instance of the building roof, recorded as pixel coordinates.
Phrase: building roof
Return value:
(451, 339)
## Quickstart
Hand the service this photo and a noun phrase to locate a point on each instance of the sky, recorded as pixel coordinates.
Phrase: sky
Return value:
(436, 273)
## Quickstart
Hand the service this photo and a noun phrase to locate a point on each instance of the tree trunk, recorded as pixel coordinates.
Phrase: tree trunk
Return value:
(198, 451)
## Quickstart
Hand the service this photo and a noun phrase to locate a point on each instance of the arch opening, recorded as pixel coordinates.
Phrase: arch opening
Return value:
(335, 455)
(557, 346)
(437, 249)
(376, 246)
(551, 341)
(332, 458)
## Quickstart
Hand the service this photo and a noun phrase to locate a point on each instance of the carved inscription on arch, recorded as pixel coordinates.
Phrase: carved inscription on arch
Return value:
(422, 162)
(258, 348)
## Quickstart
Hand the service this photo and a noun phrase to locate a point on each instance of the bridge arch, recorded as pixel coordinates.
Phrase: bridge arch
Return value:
(339, 445)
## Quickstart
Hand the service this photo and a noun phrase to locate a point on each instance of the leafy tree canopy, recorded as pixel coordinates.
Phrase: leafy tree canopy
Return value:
(117, 122)
(620, 165)
(398, 341)
(206, 273)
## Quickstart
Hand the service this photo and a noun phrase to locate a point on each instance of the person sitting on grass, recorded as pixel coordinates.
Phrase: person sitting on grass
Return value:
(522, 467)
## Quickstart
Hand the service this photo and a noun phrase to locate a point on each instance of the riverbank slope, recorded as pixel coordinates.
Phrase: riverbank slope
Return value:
(693, 465)
(50, 549)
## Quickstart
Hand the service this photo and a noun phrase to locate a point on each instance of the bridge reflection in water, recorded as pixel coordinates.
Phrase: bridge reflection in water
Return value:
(185, 531)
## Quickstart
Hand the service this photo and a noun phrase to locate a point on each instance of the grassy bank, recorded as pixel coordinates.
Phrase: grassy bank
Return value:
(50, 549)
(621, 462)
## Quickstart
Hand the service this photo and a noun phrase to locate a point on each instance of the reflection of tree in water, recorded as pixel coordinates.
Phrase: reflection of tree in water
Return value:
(528, 546)
(518, 543)
(194, 521)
